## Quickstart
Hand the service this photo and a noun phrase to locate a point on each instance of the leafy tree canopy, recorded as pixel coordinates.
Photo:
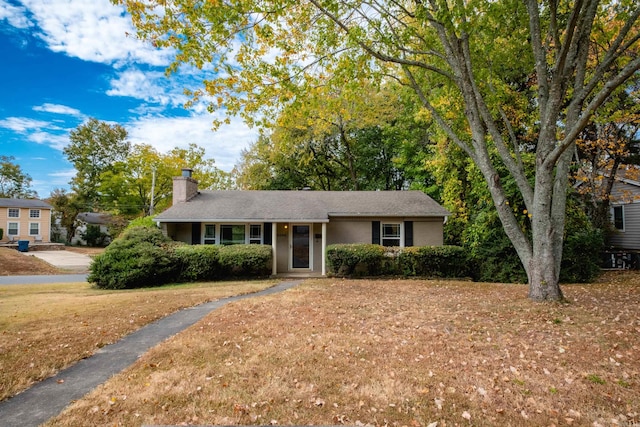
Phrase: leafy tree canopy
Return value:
(93, 149)
(500, 79)
(14, 182)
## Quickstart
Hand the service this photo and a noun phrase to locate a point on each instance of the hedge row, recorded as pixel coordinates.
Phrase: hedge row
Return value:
(144, 256)
(349, 260)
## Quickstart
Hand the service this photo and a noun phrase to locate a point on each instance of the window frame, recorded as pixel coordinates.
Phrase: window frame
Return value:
(31, 224)
(618, 223)
(210, 240)
(255, 240)
(17, 224)
(10, 210)
(233, 242)
(216, 238)
(34, 214)
(396, 237)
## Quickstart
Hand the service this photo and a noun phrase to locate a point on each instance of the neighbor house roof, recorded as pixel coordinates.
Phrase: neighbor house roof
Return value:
(95, 218)
(315, 206)
(24, 203)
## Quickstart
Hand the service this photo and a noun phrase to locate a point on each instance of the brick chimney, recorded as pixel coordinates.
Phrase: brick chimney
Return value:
(184, 187)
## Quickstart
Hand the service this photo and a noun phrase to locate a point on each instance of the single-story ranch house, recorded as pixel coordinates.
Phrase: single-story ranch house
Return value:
(299, 225)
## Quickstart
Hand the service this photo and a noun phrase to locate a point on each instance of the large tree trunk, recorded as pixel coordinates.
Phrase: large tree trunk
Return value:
(543, 278)
(547, 229)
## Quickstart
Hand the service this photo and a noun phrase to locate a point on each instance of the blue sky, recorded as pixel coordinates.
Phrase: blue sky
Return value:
(64, 61)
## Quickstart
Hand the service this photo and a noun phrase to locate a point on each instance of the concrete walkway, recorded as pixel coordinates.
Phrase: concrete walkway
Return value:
(48, 398)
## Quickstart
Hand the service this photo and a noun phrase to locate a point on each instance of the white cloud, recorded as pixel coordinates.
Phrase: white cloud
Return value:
(15, 16)
(165, 133)
(150, 86)
(50, 139)
(22, 124)
(66, 173)
(38, 131)
(59, 109)
(93, 30)
(51, 180)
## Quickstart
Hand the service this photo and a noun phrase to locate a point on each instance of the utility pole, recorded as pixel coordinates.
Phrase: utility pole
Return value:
(153, 189)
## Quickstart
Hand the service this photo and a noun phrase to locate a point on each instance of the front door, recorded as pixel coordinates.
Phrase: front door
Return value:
(301, 246)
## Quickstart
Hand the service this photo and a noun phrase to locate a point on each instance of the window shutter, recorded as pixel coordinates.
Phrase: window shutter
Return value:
(408, 233)
(266, 238)
(375, 232)
(195, 233)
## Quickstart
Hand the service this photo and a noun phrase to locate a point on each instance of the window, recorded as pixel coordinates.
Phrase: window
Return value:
(391, 235)
(14, 213)
(232, 234)
(255, 234)
(617, 213)
(13, 229)
(209, 234)
(34, 213)
(34, 228)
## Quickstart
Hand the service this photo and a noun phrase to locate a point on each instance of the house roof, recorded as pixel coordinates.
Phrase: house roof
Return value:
(24, 203)
(95, 218)
(313, 206)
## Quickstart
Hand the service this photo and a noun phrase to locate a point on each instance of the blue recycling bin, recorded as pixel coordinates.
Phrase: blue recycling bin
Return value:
(23, 245)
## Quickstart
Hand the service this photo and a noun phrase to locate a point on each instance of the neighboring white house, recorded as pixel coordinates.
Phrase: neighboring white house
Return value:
(84, 219)
(299, 225)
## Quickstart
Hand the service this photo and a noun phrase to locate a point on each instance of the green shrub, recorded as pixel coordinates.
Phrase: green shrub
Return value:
(1, 233)
(435, 261)
(140, 257)
(245, 260)
(581, 256)
(356, 259)
(346, 260)
(494, 256)
(199, 262)
(138, 266)
(93, 236)
(143, 221)
(144, 256)
(138, 234)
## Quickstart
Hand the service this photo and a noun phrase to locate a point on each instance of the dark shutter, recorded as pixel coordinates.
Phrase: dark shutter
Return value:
(375, 232)
(408, 233)
(267, 233)
(195, 233)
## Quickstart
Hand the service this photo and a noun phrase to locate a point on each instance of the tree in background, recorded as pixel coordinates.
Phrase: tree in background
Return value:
(14, 183)
(329, 140)
(94, 148)
(128, 187)
(117, 177)
(607, 150)
(461, 61)
(66, 207)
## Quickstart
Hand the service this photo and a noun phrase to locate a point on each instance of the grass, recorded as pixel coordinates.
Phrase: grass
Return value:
(13, 262)
(390, 352)
(45, 328)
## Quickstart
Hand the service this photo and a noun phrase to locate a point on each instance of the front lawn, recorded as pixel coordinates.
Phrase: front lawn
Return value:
(45, 328)
(392, 352)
